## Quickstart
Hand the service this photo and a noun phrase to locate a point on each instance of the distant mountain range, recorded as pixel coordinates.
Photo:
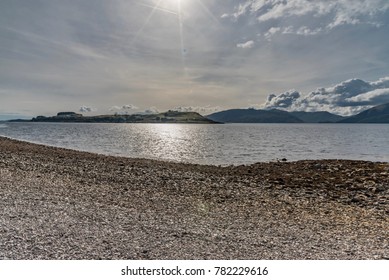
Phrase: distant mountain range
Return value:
(378, 114)
(317, 117)
(254, 116)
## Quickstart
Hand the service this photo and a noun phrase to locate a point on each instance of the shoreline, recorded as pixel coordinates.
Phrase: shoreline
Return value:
(67, 204)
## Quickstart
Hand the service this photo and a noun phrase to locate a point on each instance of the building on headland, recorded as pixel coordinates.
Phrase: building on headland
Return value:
(68, 115)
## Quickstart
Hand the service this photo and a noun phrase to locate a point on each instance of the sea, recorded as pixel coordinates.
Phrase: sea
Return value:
(214, 144)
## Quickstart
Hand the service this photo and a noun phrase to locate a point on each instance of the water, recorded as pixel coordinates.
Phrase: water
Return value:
(213, 144)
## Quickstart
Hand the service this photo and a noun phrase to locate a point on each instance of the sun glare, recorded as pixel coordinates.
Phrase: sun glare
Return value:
(176, 8)
(173, 1)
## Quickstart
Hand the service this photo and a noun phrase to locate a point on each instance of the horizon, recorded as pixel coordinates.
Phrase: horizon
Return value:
(148, 56)
(2, 119)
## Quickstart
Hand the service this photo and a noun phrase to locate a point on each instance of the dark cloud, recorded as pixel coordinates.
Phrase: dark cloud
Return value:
(283, 100)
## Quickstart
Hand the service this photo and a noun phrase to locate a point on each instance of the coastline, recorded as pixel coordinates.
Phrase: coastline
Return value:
(65, 204)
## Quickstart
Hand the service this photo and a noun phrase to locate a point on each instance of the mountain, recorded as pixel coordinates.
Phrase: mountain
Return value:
(254, 116)
(167, 117)
(273, 116)
(317, 117)
(378, 114)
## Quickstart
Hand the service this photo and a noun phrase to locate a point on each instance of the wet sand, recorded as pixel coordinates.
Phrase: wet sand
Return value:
(64, 204)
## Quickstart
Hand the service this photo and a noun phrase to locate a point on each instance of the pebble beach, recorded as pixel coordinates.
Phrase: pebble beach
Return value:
(64, 204)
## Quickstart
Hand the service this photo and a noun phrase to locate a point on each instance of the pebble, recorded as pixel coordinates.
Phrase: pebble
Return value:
(63, 204)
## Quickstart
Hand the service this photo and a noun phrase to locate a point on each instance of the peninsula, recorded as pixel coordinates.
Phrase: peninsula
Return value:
(167, 117)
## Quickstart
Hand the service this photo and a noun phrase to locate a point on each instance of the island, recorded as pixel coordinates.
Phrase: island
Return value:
(166, 117)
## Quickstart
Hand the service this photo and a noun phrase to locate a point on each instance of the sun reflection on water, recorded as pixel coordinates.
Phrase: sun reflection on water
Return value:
(170, 141)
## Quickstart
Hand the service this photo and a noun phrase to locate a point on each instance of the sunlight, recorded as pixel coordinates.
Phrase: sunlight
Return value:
(179, 9)
(173, 1)
(172, 5)
(171, 141)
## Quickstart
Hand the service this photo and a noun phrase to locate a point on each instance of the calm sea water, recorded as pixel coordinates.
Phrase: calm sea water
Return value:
(213, 144)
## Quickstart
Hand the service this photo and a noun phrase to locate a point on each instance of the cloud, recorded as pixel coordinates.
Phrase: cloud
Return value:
(129, 107)
(201, 110)
(283, 100)
(346, 98)
(86, 109)
(246, 45)
(151, 110)
(304, 30)
(271, 32)
(311, 17)
(124, 109)
(378, 96)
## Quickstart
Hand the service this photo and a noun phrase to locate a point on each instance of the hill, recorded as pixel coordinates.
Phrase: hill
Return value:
(167, 117)
(254, 116)
(273, 116)
(317, 117)
(377, 114)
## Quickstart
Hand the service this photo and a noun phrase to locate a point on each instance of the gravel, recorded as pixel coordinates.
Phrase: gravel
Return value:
(65, 204)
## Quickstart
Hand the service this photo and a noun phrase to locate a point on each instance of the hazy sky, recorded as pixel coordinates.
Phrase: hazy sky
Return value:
(104, 56)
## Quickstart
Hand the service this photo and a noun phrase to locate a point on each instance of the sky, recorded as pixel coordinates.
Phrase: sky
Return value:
(130, 56)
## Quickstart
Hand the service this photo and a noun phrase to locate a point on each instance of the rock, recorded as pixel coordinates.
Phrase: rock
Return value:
(358, 199)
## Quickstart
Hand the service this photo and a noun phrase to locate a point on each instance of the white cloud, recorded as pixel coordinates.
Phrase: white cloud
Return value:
(151, 110)
(271, 32)
(304, 30)
(377, 96)
(381, 83)
(246, 45)
(201, 110)
(346, 98)
(129, 107)
(242, 9)
(313, 16)
(124, 109)
(86, 109)
(275, 9)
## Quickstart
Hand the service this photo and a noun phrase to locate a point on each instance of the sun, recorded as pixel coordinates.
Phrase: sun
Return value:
(173, 2)
(172, 6)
